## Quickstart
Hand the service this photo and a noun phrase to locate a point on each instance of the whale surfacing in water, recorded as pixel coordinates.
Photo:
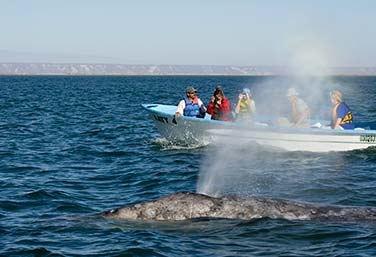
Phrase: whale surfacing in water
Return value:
(184, 206)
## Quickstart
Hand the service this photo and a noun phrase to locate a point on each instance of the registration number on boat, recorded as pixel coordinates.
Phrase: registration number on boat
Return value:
(160, 118)
(368, 138)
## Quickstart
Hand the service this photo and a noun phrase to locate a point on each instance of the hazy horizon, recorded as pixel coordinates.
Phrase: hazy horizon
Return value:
(223, 33)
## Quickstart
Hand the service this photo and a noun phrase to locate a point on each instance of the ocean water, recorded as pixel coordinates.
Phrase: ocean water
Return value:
(73, 147)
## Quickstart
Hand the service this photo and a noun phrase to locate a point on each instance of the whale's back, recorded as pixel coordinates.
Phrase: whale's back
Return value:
(179, 206)
(185, 205)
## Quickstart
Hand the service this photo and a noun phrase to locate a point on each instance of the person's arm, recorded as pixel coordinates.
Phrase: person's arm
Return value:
(252, 107)
(225, 109)
(303, 117)
(210, 109)
(202, 109)
(237, 107)
(180, 109)
(201, 104)
(225, 106)
(336, 125)
(341, 112)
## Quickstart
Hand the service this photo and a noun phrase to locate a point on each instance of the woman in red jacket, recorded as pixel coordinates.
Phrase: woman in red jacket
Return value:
(219, 107)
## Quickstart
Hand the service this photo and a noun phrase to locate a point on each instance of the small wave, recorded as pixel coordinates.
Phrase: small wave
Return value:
(115, 153)
(369, 150)
(10, 205)
(165, 144)
(43, 194)
(88, 150)
(70, 207)
(40, 251)
(20, 168)
(38, 194)
(367, 154)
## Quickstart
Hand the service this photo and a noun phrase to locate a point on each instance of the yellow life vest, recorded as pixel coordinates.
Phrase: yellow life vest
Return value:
(244, 109)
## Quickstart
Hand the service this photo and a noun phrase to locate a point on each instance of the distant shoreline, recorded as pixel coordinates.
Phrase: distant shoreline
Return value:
(86, 69)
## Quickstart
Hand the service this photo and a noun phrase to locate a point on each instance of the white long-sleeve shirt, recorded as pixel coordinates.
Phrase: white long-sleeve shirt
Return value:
(181, 106)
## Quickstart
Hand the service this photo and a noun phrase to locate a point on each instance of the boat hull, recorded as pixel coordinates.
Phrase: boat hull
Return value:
(188, 130)
(183, 130)
(290, 141)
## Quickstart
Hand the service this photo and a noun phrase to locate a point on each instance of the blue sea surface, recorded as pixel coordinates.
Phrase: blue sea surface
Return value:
(72, 147)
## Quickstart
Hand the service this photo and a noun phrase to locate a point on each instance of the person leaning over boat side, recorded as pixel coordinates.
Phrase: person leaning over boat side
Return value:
(245, 108)
(191, 105)
(219, 107)
(299, 109)
(342, 117)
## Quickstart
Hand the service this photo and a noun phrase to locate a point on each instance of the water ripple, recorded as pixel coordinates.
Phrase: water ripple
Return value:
(73, 147)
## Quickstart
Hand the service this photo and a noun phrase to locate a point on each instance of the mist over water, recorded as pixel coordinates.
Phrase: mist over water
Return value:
(246, 169)
(228, 168)
(243, 168)
(308, 69)
(271, 95)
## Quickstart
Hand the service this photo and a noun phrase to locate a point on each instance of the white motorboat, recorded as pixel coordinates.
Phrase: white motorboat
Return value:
(190, 130)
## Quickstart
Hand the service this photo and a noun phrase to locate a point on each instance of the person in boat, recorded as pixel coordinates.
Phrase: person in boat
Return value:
(342, 117)
(245, 108)
(300, 111)
(219, 107)
(191, 105)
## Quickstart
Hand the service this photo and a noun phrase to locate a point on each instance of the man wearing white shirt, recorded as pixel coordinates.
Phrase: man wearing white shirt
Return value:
(191, 105)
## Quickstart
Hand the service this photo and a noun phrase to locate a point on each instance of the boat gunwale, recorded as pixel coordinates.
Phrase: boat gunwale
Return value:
(314, 131)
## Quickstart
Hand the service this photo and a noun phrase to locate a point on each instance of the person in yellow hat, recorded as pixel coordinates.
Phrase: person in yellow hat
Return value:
(342, 117)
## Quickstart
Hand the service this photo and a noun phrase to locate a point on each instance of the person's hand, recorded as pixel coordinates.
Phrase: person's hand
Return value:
(177, 114)
(213, 99)
(219, 99)
(240, 97)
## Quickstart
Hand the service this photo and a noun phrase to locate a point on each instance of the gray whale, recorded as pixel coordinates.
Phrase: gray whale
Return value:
(185, 205)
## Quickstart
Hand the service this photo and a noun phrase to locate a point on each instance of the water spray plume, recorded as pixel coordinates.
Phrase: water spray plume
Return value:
(309, 59)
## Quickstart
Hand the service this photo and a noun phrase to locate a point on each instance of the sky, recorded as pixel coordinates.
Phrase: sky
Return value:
(190, 32)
